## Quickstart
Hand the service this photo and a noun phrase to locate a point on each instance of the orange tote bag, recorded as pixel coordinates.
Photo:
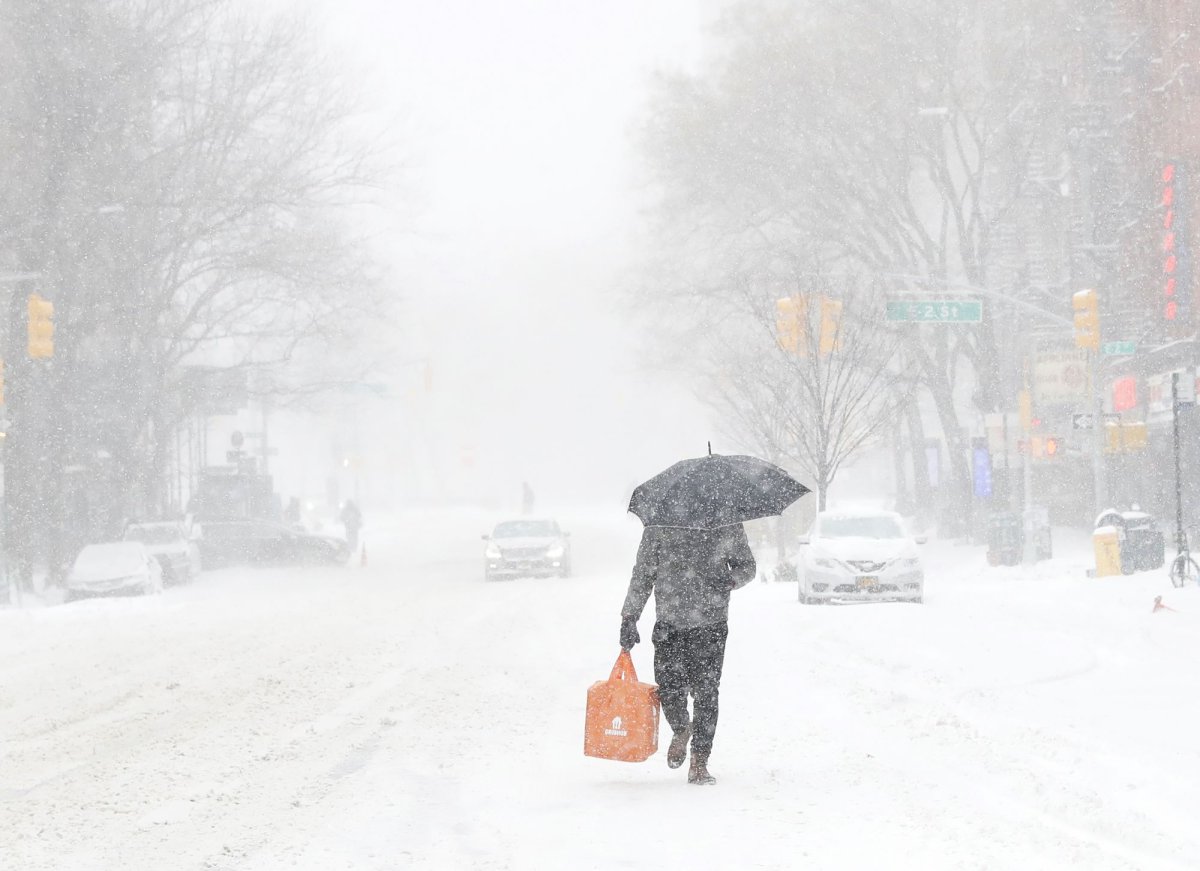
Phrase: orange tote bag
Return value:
(622, 716)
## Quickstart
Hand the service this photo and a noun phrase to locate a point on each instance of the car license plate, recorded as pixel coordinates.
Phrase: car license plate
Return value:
(868, 582)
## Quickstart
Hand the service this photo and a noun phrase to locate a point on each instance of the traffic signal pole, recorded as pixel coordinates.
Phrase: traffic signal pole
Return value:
(1028, 551)
(1099, 432)
(1179, 539)
(1086, 320)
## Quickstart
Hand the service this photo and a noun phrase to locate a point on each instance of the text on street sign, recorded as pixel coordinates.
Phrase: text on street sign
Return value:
(1118, 349)
(945, 311)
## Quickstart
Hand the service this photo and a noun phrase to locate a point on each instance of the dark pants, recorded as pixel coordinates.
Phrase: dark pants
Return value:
(689, 660)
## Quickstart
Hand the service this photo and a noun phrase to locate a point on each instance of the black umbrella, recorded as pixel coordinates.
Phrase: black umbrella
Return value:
(714, 491)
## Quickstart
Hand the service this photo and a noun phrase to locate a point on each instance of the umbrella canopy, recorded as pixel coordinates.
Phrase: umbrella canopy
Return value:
(714, 491)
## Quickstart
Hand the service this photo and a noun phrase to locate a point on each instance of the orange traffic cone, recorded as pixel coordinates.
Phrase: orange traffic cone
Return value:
(362, 556)
(1159, 606)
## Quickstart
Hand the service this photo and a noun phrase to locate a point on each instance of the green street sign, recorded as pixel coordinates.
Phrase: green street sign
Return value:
(936, 311)
(1118, 349)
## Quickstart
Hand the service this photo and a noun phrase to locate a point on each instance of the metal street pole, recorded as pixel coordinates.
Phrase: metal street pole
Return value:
(265, 444)
(1028, 553)
(1099, 431)
(14, 586)
(1179, 543)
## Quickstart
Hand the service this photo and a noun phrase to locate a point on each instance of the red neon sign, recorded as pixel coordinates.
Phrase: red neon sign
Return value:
(1124, 394)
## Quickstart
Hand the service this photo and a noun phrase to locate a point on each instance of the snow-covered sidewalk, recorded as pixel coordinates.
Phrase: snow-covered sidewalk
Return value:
(407, 715)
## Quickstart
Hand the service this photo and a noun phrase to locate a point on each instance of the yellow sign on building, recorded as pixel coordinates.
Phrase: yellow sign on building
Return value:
(1124, 438)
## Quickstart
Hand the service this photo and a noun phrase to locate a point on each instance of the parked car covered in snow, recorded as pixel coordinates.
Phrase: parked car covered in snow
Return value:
(175, 550)
(863, 556)
(263, 543)
(526, 547)
(114, 567)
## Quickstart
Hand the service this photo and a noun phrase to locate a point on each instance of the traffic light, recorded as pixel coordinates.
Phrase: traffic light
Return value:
(1044, 447)
(791, 321)
(41, 327)
(831, 326)
(1025, 410)
(1087, 320)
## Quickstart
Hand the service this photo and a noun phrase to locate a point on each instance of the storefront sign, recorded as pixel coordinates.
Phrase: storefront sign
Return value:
(1060, 378)
(982, 467)
(1158, 391)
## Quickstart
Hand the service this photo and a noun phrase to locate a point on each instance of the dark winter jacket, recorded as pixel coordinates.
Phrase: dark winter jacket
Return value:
(691, 571)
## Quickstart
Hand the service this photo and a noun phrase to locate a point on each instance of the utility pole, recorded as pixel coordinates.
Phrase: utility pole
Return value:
(6, 575)
(1180, 544)
(265, 443)
(1086, 321)
(1099, 431)
(1028, 551)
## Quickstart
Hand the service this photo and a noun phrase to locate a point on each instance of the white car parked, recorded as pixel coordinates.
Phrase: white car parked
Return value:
(114, 567)
(860, 556)
(175, 550)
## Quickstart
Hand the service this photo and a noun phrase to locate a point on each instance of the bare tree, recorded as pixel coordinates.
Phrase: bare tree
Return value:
(816, 403)
(889, 138)
(186, 181)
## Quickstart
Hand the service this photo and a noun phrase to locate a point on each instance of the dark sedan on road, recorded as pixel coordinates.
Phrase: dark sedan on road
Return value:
(523, 548)
(263, 543)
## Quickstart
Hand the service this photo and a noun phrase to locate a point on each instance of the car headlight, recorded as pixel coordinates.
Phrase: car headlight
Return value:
(493, 552)
(825, 563)
(555, 551)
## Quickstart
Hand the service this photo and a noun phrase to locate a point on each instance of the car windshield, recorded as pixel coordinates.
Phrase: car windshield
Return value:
(152, 534)
(526, 529)
(112, 559)
(875, 526)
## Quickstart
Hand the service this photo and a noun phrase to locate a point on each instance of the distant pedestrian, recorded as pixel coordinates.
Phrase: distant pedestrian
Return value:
(526, 498)
(352, 520)
(291, 514)
(691, 573)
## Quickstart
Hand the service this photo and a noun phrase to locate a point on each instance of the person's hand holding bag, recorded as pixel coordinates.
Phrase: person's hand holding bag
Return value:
(629, 633)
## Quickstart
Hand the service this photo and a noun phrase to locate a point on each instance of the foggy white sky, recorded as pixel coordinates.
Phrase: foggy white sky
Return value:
(521, 113)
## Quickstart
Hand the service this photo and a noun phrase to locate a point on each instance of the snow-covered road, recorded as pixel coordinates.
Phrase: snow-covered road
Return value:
(407, 715)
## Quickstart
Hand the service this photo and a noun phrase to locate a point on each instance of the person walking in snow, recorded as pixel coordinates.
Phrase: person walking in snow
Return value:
(691, 573)
(291, 514)
(352, 520)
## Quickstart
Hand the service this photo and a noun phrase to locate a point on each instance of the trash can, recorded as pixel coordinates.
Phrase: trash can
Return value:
(1143, 545)
(1037, 531)
(1004, 539)
(1106, 542)
(1144, 548)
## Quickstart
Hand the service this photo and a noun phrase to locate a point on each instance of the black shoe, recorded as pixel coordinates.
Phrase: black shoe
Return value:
(677, 752)
(698, 773)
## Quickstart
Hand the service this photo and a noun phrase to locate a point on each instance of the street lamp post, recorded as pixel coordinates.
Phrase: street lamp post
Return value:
(14, 590)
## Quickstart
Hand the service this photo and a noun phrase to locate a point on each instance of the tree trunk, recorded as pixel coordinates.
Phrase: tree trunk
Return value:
(904, 503)
(957, 508)
(922, 492)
